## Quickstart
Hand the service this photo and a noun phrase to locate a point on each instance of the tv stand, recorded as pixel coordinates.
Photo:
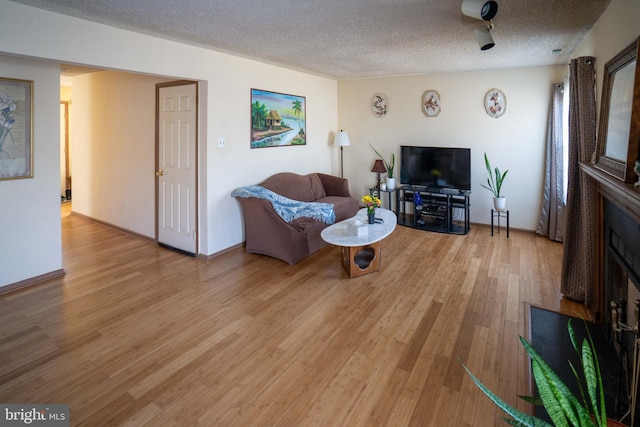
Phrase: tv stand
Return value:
(436, 211)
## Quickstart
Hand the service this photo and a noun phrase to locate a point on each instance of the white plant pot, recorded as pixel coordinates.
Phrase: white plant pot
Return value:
(500, 203)
(391, 183)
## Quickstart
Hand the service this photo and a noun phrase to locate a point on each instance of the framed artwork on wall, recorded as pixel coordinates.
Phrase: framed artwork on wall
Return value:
(379, 105)
(495, 103)
(431, 103)
(619, 130)
(277, 119)
(16, 129)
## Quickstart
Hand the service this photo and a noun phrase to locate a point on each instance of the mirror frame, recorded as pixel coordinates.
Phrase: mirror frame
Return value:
(620, 168)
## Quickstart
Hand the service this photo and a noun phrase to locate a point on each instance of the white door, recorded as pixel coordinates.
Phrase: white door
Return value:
(176, 169)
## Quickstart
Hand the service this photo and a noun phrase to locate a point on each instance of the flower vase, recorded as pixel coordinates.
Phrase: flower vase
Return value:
(371, 215)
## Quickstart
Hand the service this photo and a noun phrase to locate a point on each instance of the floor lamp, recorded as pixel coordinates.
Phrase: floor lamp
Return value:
(342, 140)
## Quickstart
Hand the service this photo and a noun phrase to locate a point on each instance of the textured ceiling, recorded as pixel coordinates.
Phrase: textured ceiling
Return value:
(345, 39)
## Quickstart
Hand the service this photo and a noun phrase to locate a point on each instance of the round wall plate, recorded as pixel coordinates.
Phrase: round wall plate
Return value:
(379, 105)
(431, 103)
(495, 103)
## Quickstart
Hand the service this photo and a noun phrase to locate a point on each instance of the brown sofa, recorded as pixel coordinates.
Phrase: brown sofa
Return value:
(267, 233)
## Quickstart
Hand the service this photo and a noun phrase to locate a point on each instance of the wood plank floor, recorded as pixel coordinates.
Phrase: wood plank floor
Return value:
(135, 334)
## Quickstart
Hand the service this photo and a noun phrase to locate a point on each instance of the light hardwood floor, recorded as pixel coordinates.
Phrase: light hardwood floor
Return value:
(135, 334)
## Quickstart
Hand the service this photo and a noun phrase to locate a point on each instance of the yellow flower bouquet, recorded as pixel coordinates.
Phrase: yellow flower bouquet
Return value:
(371, 202)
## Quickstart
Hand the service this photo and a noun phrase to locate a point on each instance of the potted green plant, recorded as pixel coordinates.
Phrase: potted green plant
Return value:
(563, 407)
(494, 184)
(391, 181)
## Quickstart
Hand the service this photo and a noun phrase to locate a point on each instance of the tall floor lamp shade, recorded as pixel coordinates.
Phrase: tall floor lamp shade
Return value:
(342, 140)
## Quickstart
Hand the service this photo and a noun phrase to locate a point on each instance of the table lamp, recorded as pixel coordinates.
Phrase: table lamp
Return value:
(378, 167)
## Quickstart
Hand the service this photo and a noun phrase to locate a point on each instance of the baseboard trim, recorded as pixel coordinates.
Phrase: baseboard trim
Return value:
(199, 256)
(214, 255)
(115, 227)
(12, 287)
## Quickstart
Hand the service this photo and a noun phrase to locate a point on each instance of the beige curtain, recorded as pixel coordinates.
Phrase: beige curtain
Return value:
(579, 254)
(551, 220)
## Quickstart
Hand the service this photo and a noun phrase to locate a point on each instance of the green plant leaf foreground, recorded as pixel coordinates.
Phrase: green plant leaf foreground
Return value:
(575, 412)
(519, 416)
(562, 406)
(601, 415)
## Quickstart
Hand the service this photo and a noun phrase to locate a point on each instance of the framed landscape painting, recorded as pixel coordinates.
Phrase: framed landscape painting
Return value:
(16, 129)
(277, 119)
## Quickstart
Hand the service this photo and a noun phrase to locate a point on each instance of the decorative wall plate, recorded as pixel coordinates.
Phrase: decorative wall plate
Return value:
(379, 105)
(495, 103)
(431, 103)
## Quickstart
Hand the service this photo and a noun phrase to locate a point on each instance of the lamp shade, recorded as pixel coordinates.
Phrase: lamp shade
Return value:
(342, 139)
(378, 167)
(483, 36)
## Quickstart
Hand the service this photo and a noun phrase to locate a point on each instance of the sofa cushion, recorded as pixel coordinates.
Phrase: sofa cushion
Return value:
(343, 207)
(305, 188)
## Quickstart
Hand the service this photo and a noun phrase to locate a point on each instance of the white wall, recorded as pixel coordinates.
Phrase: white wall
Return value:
(515, 141)
(616, 29)
(30, 226)
(114, 149)
(31, 32)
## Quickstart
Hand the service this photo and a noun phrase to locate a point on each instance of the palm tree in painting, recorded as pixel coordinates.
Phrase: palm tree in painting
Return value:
(297, 108)
(259, 113)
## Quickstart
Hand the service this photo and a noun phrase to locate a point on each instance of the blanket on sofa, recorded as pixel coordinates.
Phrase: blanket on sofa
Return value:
(289, 209)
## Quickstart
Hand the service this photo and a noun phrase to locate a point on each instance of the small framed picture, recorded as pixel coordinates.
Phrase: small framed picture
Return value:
(379, 105)
(16, 129)
(495, 103)
(431, 103)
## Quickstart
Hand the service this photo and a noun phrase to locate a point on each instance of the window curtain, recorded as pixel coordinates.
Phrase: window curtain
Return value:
(579, 254)
(551, 220)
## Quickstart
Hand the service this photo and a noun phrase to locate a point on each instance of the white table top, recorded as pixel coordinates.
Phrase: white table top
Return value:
(338, 234)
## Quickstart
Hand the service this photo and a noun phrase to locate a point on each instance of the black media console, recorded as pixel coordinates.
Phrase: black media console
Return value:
(434, 210)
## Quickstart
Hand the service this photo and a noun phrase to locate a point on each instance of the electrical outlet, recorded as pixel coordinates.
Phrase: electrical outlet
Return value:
(221, 143)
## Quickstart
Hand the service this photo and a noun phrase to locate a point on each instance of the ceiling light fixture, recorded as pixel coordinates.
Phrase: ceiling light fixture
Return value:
(480, 9)
(483, 36)
(485, 11)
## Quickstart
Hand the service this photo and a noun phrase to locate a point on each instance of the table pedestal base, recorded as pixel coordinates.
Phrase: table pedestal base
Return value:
(360, 260)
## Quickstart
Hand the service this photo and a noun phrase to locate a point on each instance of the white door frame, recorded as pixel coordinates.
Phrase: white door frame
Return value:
(194, 206)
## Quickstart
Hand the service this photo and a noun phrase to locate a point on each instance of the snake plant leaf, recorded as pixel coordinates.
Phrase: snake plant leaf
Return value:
(557, 408)
(563, 409)
(572, 335)
(580, 384)
(514, 422)
(593, 379)
(493, 185)
(590, 378)
(519, 416)
(594, 382)
(602, 419)
(572, 407)
(561, 404)
(532, 399)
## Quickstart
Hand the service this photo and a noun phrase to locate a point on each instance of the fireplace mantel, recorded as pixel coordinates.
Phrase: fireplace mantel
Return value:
(626, 196)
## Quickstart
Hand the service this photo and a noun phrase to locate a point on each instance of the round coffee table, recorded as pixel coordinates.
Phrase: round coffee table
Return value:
(361, 254)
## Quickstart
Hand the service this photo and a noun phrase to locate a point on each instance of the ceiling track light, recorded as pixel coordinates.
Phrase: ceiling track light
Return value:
(480, 9)
(485, 11)
(483, 36)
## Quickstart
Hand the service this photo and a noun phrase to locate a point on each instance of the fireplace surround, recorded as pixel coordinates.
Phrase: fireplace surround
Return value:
(617, 239)
(616, 297)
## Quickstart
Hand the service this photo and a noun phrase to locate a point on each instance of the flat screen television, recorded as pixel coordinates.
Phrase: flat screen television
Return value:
(436, 167)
